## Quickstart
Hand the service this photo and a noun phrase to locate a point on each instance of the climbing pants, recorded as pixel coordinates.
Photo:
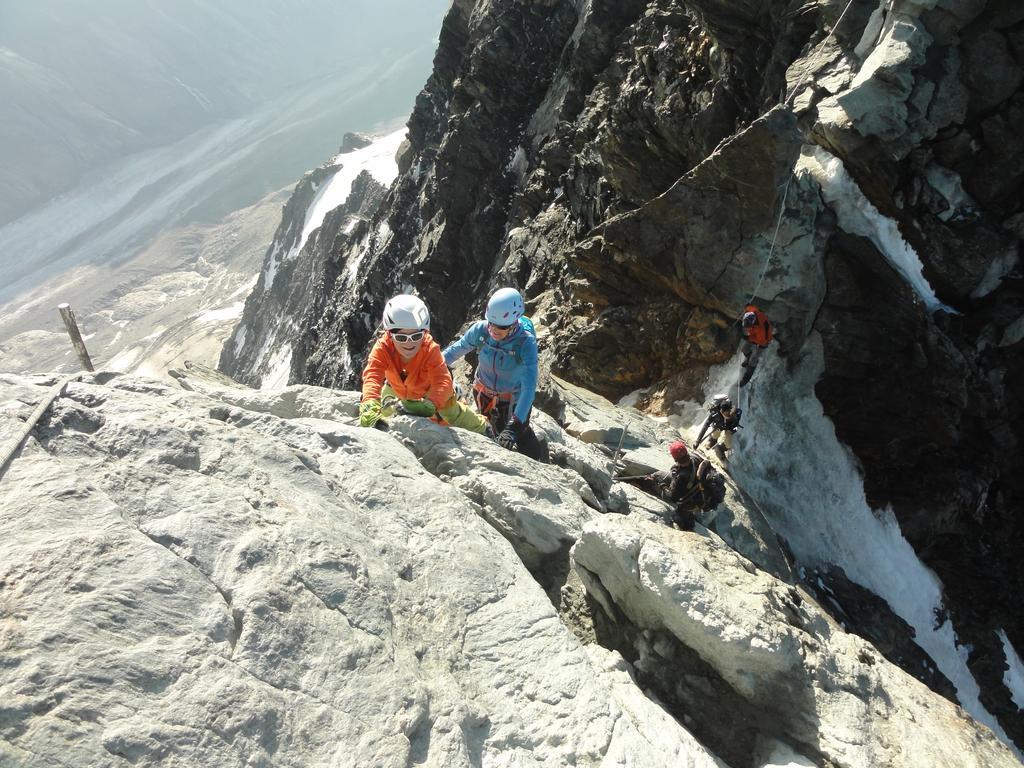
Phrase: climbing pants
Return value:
(723, 437)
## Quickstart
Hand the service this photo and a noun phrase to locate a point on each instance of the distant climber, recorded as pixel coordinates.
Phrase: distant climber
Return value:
(757, 335)
(689, 486)
(723, 420)
(405, 372)
(505, 381)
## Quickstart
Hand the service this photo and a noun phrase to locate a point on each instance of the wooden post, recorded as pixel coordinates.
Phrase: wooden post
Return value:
(76, 338)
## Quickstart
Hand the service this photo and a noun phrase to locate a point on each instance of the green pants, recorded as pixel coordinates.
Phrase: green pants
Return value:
(454, 413)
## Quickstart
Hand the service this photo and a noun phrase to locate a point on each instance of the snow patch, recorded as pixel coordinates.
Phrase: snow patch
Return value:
(271, 270)
(240, 335)
(279, 368)
(948, 184)
(517, 164)
(353, 264)
(1013, 679)
(1014, 332)
(1000, 267)
(245, 288)
(630, 400)
(382, 236)
(858, 216)
(232, 312)
(378, 159)
(811, 489)
(346, 361)
(782, 756)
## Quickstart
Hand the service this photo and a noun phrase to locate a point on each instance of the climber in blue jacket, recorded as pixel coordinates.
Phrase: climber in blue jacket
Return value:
(506, 372)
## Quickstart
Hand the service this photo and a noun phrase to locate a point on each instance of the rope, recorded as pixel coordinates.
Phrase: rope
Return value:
(14, 444)
(785, 194)
(807, 69)
(782, 207)
(775, 237)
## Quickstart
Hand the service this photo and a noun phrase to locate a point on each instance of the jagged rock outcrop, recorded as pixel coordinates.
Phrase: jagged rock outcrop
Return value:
(295, 279)
(642, 169)
(352, 141)
(795, 675)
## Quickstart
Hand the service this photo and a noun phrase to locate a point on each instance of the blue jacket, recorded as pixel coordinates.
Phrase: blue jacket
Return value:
(509, 365)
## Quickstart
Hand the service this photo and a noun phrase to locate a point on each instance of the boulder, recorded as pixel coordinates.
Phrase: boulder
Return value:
(186, 581)
(825, 693)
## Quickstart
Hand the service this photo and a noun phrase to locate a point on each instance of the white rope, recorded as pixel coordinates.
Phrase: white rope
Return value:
(807, 69)
(775, 237)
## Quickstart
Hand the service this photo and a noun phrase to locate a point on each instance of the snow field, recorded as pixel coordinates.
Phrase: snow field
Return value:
(858, 216)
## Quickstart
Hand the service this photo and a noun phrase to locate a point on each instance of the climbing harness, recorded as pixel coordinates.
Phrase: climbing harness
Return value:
(487, 401)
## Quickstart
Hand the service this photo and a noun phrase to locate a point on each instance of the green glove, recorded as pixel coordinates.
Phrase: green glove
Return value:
(369, 412)
(419, 408)
(389, 406)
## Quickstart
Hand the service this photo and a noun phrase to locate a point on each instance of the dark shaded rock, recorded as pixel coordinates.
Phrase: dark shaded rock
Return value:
(987, 662)
(864, 613)
(995, 176)
(990, 70)
(353, 141)
(689, 250)
(294, 282)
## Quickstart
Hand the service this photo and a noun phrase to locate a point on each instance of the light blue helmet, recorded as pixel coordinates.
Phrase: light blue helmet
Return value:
(505, 307)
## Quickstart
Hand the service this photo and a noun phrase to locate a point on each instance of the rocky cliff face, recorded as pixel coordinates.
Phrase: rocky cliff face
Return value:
(215, 575)
(295, 279)
(642, 169)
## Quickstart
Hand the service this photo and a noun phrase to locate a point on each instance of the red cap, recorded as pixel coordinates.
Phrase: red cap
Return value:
(678, 450)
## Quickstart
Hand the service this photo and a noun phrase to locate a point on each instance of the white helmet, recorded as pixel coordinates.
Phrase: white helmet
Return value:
(405, 311)
(505, 307)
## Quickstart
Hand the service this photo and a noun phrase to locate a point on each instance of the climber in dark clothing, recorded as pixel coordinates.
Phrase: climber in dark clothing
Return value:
(691, 487)
(723, 420)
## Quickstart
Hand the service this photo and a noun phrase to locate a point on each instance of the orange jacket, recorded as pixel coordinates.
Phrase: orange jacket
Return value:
(426, 375)
(760, 332)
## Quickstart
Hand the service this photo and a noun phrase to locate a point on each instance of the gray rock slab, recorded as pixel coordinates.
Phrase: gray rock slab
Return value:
(540, 508)
(824, 690)
(188, 582)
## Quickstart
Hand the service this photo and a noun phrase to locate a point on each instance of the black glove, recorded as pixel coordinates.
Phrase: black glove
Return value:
(510, 435)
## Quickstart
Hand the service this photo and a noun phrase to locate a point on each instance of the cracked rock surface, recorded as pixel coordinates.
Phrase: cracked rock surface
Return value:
(801, 679)
(229, 578)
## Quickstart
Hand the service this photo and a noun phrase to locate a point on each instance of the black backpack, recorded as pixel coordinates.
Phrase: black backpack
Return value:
(713, 488)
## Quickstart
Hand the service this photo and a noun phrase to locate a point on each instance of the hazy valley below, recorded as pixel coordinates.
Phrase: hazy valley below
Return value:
(213, 194)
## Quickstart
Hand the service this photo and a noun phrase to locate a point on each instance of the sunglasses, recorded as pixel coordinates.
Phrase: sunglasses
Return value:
(497, 327)
(403, 338)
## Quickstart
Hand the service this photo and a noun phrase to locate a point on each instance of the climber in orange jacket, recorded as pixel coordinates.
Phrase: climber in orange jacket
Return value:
(757, 335)
(405, 365)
